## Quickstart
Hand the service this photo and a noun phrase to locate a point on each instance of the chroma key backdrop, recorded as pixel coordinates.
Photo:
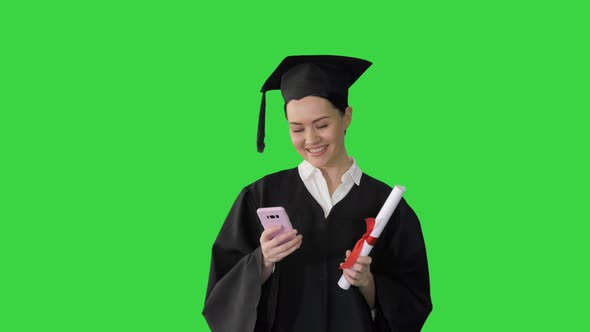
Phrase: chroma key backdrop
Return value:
(128, 128)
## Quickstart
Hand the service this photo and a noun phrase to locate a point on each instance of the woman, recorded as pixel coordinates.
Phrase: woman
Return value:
(288, 282)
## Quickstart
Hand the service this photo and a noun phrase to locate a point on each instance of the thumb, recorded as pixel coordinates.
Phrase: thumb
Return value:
(348, 253)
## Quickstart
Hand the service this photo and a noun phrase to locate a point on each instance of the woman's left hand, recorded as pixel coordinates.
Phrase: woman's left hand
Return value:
(359, 274)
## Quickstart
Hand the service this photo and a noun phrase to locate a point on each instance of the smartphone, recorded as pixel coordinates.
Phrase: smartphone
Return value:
(272, 216)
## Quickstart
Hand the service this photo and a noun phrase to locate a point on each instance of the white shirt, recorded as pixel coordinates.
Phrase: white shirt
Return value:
(318, 187)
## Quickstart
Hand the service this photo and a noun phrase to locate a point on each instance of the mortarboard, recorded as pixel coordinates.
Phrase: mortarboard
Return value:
(306, 75)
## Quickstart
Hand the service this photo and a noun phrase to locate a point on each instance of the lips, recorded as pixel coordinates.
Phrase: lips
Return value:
(316, 150)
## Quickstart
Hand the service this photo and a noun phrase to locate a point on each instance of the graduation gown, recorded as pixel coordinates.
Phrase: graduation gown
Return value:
(302, 294)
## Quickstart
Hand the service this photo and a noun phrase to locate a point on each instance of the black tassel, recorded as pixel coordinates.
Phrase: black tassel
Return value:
(261, 123)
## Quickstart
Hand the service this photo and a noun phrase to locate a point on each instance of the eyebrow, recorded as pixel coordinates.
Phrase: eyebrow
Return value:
(314, 121)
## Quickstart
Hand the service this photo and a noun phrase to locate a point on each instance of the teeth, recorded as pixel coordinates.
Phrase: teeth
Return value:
(316, 150)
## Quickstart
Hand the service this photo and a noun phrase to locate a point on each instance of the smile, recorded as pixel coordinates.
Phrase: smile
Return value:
(317, 149)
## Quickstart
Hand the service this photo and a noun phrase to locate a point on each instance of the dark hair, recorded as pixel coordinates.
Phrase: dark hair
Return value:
(339, 102)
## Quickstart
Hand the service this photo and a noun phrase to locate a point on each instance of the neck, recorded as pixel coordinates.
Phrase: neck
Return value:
(333, 173)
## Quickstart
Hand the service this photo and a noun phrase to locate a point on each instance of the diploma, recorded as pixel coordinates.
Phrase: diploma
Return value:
(374, 228)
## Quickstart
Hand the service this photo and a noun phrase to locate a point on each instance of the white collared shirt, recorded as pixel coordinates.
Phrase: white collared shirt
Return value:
(318, 187)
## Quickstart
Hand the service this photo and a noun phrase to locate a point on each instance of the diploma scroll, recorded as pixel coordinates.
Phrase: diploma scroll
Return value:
(367, 242)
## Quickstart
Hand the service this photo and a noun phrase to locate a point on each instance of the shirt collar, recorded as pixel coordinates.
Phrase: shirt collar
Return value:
(306, 169)
(354, 172)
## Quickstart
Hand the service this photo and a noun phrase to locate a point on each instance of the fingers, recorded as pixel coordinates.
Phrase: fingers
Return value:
(296, 241)
(364, 260)
(357, 279)
(270, 236)
(352, 275)
(357, 270)
(282, 238)
(274, 249)
(269, 233)
(288, 248)
(276, 254)
(360, 261)
(349, 279)
(359, 273)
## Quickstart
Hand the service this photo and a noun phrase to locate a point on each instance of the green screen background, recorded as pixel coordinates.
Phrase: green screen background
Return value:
(128, 128)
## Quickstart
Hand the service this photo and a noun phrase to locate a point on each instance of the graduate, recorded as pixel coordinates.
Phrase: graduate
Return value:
(261, 281)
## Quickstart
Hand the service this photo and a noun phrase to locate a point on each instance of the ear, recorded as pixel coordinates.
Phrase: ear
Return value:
(347, 117)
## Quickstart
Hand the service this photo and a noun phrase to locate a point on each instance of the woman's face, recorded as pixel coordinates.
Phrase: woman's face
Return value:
(317, 131)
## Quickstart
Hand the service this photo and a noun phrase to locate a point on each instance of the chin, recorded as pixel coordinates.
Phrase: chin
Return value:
(317, 163)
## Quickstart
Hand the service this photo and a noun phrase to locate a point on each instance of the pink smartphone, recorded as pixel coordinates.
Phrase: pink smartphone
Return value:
(272, 216)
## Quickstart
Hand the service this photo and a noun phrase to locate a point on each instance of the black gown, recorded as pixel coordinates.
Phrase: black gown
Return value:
(302, 294)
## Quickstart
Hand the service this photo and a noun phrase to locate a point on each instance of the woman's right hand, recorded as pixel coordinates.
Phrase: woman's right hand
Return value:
(275, 248)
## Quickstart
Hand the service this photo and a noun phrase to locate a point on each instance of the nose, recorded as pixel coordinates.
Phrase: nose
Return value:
(312, 138)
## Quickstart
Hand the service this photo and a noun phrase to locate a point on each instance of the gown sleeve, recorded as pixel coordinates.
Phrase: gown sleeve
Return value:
(234, 290)
(402, 284)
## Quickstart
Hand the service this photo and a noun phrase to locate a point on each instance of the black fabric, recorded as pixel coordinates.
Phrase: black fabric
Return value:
(261, 124)
(302, 294)
(301, 75)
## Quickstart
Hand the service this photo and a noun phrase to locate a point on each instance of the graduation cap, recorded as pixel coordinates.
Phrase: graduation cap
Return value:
(308, 75)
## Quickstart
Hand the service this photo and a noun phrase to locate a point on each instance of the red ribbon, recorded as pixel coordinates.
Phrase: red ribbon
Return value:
(359, 244)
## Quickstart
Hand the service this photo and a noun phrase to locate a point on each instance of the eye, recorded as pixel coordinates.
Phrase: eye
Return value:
(322, 126)
(298, 130)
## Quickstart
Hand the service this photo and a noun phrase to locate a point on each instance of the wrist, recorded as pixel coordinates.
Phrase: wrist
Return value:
(268, 265)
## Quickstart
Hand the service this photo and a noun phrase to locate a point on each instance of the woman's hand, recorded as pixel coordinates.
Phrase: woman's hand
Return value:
(359, 275)
(275, 248)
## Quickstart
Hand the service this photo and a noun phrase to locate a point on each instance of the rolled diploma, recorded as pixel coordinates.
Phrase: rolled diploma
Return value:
(380, 222)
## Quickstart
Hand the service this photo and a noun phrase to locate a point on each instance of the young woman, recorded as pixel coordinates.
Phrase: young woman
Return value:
(288, 282)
